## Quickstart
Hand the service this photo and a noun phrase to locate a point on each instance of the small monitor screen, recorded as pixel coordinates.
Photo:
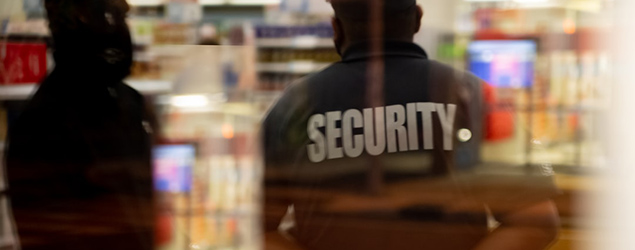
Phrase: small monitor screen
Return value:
(173, 167)
(502, 63)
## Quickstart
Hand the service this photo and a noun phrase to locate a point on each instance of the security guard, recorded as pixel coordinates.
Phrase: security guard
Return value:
(364, 151)
(78, 156)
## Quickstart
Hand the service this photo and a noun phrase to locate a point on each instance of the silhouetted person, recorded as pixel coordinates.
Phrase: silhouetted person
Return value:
(365, 151)
(78, 157)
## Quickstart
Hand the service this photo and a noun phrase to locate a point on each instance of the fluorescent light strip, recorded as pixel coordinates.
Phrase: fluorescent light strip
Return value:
(529, 4)
(145, 2)
(207, 2)
(484, 1)
(189, 101)
(511, 1)
(239, 2)
(213, 2)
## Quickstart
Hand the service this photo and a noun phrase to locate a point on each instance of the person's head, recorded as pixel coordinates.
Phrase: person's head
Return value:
(92, 33)
(363, 20)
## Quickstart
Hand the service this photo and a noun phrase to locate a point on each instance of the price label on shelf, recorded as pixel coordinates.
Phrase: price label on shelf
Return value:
(183, 12)
(305, 42)
(301, 67)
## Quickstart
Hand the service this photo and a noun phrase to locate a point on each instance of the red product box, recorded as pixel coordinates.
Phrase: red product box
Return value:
(22, 62)
(499, 122)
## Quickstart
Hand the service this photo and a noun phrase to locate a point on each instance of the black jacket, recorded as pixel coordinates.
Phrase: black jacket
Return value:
(78, 158)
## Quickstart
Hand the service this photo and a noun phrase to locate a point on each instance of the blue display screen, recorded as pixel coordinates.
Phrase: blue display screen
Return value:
(502, 63)
(173, 167)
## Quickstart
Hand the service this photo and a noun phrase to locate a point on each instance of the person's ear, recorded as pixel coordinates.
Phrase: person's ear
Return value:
(338, 34)
(418, 20)
(338, 31)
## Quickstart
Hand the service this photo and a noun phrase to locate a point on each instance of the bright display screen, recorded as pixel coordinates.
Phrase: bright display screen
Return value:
(502, 63)
(173, 167)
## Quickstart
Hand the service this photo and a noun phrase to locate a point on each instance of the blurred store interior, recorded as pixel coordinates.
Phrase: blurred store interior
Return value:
(213, 67)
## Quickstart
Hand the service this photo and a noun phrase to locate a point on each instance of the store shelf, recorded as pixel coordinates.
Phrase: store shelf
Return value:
(150, 87)
(16, 92)
(300, 42)
(298, 67)
(238, 2)
(267, 95)
(156, 3)
(145, 3)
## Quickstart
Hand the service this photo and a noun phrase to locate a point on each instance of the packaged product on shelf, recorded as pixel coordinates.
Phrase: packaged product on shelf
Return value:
(230, 77)
(22, 62)
(539, 108)
(4, 23)
(174, 33)
(265, 55)
(184, 11)
(557, 76)
(499, 119)
(327, 56)
(144, 65)
(199, 229)
(142, 31)
(573, 126)
(589, 76)
(571, 89)
(164, 222)
(321, 30)
(145, 70)
(221, 190)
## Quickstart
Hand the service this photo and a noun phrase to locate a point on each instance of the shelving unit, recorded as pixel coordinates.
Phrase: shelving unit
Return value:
(145, 3)
(237, 2)
(155, 3)
(16, 92)
(301, 42)
(150, 87)
(288, 52)
(296, 67)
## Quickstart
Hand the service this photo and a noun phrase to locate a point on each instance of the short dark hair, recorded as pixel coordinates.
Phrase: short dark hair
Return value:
(355, 18)
(62, 14)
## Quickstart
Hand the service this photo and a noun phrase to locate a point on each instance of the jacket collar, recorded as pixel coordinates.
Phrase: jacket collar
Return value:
(361, 51)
